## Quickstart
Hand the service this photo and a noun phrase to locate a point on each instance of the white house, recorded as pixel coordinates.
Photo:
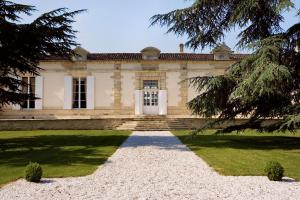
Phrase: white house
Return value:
(98, 85)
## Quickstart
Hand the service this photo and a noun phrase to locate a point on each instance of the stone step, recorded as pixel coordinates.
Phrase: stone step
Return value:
(153, 123)
(150, 119)
(150, 126)
(128, 125)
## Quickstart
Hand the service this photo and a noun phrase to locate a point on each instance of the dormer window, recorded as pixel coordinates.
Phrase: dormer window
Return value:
(78, 58)
(222, 52)
(150, 53)
(149, 57)
(221, 57)
(80, 54)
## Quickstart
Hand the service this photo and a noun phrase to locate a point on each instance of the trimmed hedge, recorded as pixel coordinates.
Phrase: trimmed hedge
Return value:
(33, 172)
(274, 171)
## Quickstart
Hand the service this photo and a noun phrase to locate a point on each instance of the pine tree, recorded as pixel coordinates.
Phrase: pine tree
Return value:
(264, 85)
(22, 45)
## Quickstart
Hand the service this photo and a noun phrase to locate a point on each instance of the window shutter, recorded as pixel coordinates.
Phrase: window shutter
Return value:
(68, 93)
(139, 102)
(39, 92)
(162, 102)
(90, 92)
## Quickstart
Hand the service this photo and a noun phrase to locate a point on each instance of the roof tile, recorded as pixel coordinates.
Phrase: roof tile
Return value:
(163, 56)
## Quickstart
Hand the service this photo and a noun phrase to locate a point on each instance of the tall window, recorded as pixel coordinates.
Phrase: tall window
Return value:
(29, 89)
(79, 93)
(150, 92)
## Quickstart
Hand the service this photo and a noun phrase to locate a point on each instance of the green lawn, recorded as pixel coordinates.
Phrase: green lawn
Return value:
(246, 153)
(61, 153)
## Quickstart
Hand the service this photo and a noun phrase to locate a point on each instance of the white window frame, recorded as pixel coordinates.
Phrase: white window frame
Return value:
(28, 82)
(79, 93)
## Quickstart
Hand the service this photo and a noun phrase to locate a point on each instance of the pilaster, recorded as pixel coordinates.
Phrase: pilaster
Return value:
(117, 87)
(183, 86)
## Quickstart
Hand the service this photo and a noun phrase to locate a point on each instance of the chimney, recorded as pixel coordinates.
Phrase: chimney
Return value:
(181, 48)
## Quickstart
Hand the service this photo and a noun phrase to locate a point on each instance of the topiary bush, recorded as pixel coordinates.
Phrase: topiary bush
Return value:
(274, 171)
(33, 172)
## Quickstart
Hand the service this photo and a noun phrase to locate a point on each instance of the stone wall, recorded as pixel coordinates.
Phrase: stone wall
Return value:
(196, 123)
(97, 124)
(64, 124)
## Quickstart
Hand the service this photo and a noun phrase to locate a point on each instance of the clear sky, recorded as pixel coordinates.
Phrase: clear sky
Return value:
(123, 25)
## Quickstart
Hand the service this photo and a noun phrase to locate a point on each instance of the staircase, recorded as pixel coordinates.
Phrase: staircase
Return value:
(128, 125)
(153, 124)
(178, 124)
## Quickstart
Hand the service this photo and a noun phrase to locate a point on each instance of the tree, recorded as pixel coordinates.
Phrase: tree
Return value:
(23, 45)
(264, 85)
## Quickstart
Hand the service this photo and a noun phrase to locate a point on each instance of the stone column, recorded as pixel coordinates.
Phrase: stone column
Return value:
(117, 88)
(183, 86)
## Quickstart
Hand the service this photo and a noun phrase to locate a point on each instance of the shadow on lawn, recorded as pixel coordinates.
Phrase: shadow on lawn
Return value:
(94, 150)
(58, 149)
(242, 142)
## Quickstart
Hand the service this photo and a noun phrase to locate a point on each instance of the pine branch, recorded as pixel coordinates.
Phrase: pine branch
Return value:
(23, 45)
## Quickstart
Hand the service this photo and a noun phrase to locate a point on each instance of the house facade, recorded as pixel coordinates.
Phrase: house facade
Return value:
(103, 85)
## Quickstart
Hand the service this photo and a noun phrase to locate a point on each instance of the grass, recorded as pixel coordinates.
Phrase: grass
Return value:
(246, 153)
(61, 153)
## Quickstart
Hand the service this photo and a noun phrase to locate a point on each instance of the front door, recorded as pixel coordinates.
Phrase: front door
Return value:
(150, 97)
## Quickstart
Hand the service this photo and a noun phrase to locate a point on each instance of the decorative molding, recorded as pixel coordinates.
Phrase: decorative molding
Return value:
(150, 66)
(70, 63)
(150, 75)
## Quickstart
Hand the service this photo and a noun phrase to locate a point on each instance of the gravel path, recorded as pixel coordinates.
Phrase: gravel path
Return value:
(153, 165)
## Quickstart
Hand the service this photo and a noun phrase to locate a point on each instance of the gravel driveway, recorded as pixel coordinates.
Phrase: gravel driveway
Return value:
(153, 165)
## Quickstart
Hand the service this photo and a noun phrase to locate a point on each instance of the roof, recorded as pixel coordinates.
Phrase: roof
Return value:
(163, 56)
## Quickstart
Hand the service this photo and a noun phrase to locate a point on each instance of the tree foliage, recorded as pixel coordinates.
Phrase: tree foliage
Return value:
(22, 45)
(265, 84)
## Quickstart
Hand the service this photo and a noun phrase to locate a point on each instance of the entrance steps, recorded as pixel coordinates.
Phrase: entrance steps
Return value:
(128, 125)
(153, 124)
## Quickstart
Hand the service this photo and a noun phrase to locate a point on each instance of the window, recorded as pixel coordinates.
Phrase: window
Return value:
(29, 89)
(79, 93)
(221, 57)
(151, 98)
(154, 98)
(150, 84)
(147, 99)
(150, 92)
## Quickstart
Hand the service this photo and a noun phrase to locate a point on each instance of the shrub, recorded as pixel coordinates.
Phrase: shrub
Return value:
(33, 172)
(274, 171)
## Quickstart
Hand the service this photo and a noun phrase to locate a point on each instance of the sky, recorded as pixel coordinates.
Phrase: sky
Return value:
(124, 25)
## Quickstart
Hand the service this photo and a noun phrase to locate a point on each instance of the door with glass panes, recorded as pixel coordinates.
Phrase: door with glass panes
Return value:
(150, 97)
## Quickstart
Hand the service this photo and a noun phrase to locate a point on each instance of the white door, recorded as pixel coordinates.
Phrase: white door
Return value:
(151, 102)
(150, 97)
